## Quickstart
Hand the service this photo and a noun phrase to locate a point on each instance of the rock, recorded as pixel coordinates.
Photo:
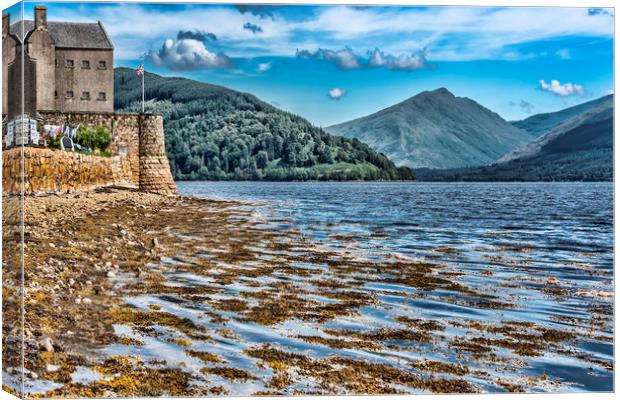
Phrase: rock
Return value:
(78, 300)
(86, 301)
(155, 242)
(111, 274)
(108, 264)
(52, 245)
(32, 375)
(51, 368)
(71, 282)
(47, 345)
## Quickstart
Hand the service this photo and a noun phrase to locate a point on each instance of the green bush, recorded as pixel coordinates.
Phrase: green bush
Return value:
(98, 138)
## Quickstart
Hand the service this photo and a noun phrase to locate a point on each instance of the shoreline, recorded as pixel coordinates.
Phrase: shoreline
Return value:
(402, 182)
(206, 283)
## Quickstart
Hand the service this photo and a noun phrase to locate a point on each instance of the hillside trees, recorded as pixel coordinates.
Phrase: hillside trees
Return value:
(214, 133)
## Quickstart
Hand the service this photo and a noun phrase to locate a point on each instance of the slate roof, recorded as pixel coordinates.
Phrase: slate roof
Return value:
(73, 35)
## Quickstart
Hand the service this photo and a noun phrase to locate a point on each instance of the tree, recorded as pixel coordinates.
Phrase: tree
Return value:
(262, 158)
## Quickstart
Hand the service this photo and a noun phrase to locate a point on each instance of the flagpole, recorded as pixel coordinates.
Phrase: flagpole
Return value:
(143, 85)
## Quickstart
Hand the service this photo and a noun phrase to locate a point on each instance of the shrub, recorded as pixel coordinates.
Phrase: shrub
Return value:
(95, 138)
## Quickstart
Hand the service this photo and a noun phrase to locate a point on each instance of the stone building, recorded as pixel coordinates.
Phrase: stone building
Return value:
(68, 66)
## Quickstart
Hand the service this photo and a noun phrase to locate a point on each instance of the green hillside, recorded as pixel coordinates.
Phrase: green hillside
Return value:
(436, 129)
(579, 147)
(214, 133)
(538, 124)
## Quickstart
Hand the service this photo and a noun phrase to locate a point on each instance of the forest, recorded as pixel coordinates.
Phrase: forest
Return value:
(214, 133)
(585, 166)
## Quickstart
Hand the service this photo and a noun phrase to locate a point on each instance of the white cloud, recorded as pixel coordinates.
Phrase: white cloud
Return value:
(186, 55)
(347, 59)
(405, 62)
(344, 59)
(450, 33)
(561, 89)
(336, 93)
(563, 54)
(461, 33)
(525, 106)
(262, 67)
(610, 91)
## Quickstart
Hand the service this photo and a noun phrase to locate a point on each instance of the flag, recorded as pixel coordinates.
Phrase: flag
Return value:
(140, 70)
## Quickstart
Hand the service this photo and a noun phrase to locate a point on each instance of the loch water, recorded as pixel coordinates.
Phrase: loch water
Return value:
(535, 234)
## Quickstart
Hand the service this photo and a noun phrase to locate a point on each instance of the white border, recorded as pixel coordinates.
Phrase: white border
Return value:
(487, 3)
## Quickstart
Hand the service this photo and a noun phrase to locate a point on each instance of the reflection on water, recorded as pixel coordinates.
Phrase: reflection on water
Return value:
(544, 252)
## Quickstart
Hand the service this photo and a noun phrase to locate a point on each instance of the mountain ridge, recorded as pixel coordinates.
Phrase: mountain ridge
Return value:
(435, 129)
(578, 148)
(538, 124)
(574, 117)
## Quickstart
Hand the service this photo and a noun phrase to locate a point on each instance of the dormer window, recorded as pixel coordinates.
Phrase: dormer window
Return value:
(69, 63)
(69, 94)
(85, 64)
(102, 65)
(85, 95)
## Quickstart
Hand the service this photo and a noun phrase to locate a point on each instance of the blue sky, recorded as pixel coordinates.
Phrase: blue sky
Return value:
(334, 63)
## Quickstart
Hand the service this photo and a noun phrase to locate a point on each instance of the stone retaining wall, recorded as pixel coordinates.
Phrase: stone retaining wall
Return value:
(137, 141)
(57, 171)
(124, 129)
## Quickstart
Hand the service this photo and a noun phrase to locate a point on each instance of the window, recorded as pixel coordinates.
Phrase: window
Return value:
(85, 64)
(85, 95)
(102, 65)
(55, 93)
(69, 63)
(56, 62)
(69, 94)
(101, 96)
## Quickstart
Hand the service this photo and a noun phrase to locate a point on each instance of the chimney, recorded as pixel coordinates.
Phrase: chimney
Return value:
(6, 21)
(40, 17)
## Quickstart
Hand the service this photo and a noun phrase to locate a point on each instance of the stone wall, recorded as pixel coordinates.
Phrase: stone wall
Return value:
(94, 80)
(40, 47)
(57, 171)
(9, 45)
(26, 68)
(155, 173)
(125, 130)
(137, 142)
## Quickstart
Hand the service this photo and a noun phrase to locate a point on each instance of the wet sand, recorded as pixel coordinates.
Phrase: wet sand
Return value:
(129, 294)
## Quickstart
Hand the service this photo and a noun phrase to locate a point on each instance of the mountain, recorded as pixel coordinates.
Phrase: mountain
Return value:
(217, 133)
(436, 130)
(578, 148)
(538, 124)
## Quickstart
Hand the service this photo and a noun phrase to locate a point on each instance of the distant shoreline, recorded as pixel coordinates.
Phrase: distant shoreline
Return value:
(389, 182)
